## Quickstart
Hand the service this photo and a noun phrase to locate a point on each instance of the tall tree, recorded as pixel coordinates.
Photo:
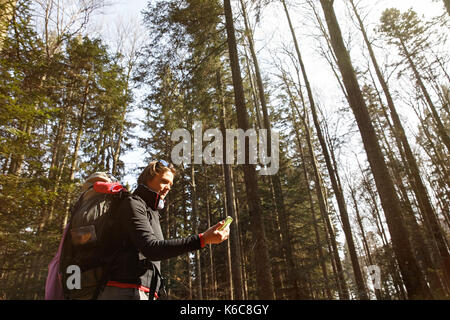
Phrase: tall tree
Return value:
(332, 174)
(275, 178)
(319, 187)
(399, 133)
(264, 280)
(313, 214)
(230, 201)
(406, 31)
(419, 189)
(413, 278)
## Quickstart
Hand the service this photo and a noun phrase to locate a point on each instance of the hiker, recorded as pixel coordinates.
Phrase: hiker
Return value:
(136, 273)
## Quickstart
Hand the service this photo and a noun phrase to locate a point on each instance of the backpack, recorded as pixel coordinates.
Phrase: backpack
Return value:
(82, 264)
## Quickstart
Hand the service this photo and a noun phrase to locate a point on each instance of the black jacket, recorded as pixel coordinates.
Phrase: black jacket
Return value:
(140, 239)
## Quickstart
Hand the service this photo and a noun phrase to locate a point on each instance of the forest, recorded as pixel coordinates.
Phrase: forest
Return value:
(358, 92)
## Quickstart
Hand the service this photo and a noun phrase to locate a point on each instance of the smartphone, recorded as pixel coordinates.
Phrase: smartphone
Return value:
(228, 220)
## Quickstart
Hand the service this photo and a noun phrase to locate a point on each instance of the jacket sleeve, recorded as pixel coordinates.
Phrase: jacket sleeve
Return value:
(136, 224)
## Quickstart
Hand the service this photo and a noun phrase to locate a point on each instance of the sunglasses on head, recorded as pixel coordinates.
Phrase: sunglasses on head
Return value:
(163, 162)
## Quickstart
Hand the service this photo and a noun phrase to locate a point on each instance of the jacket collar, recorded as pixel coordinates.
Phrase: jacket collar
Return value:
(150, 197)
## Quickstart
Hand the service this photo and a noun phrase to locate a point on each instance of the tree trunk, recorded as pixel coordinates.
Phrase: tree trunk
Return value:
(323, 208)
(441, 130)
(337, 191)
(413, 278)
(118, 146)
(230, 203)
(17, 160)
(7, 8)
(292, 274)
(419, 189)
(187, 257)
(212, 287)
(239, 236)
(325, 214)
(262, 261)
(423, 252)
(447, 6)
(363, 234)
(78, 138)
(254, 94)
(196, 218)
(320, 196)
(316, 229)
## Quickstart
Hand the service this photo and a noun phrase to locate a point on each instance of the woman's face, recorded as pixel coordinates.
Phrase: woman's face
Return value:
(161, 183)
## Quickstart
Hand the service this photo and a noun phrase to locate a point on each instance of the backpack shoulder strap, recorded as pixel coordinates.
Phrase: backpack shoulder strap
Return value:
(154, 282)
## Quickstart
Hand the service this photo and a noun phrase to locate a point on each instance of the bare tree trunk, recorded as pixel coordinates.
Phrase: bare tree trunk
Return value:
(292, 274)
(196, 231)
(323, 207)
(78, 138)
(337, 191)
(7, 8)
(54, 175)
(230, 201)
(447, 6)
(343, 293)
(423, 252)
(363, 234)
(413, 278)
(211, 274)
(313, 214)
(276, 249)
(239, 235)
(118, 145)
(254, 94)
(441, 130)
(419, 189)
(187, 258)
(262, 261)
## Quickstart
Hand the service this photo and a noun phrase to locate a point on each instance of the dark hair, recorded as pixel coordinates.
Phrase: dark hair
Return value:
(154, 168)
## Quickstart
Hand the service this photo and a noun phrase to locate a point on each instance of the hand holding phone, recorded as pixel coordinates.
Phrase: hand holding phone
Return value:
(212, 236)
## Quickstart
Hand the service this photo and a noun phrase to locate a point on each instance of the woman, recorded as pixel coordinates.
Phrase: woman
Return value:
(136, 270)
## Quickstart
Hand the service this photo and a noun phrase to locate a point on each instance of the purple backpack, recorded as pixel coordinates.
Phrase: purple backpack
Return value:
(53, 284)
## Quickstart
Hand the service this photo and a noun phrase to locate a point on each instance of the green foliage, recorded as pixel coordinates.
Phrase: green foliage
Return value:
(46, 103)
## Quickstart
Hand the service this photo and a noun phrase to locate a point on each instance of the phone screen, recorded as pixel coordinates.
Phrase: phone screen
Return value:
(228, 220)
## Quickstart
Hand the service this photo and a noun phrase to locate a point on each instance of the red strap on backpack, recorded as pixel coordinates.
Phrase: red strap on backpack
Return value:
(108, 187)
